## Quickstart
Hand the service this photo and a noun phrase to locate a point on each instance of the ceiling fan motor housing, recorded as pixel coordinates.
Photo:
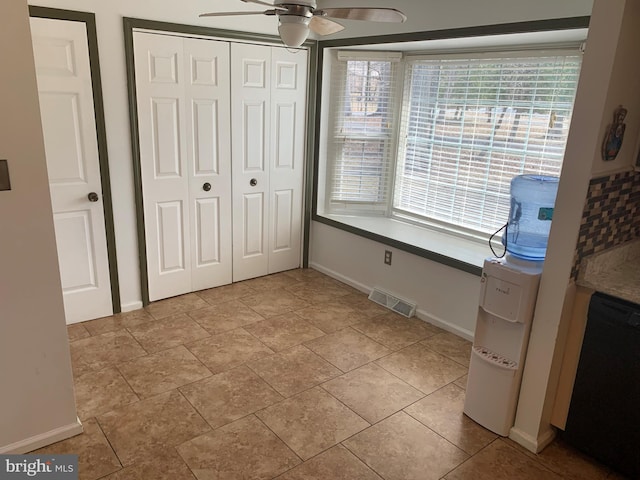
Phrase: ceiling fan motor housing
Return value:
(301, 3)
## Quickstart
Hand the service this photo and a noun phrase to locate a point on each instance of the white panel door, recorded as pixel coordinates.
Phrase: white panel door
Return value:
(209, 161)
(250, 106)
(162, 126)
(288, 122)
(66, 103)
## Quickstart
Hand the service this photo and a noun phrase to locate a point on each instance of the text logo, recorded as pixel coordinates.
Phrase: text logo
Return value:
(50, 467)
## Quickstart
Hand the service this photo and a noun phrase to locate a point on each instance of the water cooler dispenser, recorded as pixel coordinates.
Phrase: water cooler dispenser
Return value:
(508, 294)
(507, 300)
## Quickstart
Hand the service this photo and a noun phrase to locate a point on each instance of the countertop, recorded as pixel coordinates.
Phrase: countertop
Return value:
(615, 271)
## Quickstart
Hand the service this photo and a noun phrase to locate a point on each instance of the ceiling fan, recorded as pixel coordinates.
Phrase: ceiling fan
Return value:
(297, 17)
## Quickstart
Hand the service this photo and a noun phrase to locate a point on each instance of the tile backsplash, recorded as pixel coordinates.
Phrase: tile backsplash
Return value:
(611, 215)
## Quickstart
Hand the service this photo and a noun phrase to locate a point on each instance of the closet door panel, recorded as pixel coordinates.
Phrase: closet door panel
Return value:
(206, 64)
(251, 140)
(163, 158)
(288, 120)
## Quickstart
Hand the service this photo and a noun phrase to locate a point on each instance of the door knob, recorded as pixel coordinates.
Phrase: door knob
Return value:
(93, 197)
(206, 187)
(253, 182)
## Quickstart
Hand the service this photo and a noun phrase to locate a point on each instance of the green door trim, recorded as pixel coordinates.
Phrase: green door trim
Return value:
(131, 24)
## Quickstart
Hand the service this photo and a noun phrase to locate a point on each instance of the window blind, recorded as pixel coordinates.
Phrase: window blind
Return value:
(469, 125)
(361, 141)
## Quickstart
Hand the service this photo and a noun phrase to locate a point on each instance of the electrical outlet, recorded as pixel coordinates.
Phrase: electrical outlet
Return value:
(387, 257)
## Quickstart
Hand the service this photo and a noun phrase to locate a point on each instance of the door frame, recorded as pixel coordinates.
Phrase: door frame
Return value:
(89, 19)
(226, 35)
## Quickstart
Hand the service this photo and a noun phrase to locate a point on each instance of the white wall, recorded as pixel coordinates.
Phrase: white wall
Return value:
(36, 403)
(609, 77)
(445, 296)
(434, 14)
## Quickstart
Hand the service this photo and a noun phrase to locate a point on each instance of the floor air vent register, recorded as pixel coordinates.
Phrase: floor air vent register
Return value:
(398, 305)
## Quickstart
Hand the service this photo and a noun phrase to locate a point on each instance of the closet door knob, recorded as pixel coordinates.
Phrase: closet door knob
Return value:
(93, 197)
(253, 182)
(206, 187)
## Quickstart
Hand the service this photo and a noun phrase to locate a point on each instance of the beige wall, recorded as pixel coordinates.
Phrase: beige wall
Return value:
(609, 78)
(36, 399)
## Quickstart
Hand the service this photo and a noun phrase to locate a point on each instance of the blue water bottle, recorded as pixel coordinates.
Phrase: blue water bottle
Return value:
(533, 198)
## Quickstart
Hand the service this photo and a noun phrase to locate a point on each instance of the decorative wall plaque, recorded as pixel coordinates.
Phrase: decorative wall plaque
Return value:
(615, 134)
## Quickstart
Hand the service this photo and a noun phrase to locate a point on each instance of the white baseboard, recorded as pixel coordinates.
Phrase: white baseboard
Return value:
(338, 276)
(43, 439)
(533, 444)
(129, 307)
(449, 327)
(420, 313)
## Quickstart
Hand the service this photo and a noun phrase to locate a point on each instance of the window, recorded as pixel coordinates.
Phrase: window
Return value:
(442, 150)
(363, 133)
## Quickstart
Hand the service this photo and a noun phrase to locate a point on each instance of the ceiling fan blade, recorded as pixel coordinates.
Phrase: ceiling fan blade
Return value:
(260, 2)
(324, 26)
(224, 14)
(369, 14)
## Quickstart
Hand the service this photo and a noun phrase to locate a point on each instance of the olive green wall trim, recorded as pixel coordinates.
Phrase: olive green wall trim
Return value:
(89, 20)
(205, 31)
(135, 154)
(316, 127)
(129, 25)
(499, 29)
(309, 197)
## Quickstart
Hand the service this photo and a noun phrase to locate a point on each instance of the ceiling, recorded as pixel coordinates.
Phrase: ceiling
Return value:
(425, 15)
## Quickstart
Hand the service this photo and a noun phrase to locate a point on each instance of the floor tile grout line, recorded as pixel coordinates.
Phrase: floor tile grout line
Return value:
(333, 333)
(226, 331)
(278, 437)
(361, 459)
(297, 393)
(470, 457)
(438, 433)
(410, 416)
(291, 346)
(128, 384)
(405, 381)
(393, 350)
(534, 457)
(444, 355)
(324, 450)
(214, 428)
(175, 447)
(110, 444)
(202, 416)
(197, 413)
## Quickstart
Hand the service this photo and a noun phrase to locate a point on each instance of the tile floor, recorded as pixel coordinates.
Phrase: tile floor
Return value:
(290, 376)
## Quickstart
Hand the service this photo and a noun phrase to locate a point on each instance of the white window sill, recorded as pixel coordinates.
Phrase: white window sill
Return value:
(450, 249)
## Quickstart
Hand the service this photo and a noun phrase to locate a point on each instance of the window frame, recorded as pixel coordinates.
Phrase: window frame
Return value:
(391, 139)
(521, 35)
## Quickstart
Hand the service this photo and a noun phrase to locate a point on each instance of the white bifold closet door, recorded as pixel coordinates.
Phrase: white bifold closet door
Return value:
(222, 132)
(268, 98)
(183, 122)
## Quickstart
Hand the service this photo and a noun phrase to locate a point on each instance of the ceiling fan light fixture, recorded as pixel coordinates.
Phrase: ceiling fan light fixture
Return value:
(293, 29)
